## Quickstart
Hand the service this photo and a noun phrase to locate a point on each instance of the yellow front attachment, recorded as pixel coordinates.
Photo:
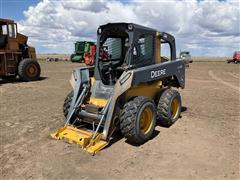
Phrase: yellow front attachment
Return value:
(81, 137)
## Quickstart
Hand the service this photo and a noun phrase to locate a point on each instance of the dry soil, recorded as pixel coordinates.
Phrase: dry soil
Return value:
(202, 144)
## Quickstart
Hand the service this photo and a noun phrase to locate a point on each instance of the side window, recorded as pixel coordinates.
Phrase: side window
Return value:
(15, 30)
(143, 49)
(165, 52)
(112, 47)
(4, 30)
(12, 31)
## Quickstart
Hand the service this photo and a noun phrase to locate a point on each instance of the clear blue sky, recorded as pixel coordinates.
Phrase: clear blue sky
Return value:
(13, 9)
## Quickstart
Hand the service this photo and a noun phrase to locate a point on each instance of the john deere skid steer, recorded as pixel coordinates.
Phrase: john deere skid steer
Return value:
(130, 89)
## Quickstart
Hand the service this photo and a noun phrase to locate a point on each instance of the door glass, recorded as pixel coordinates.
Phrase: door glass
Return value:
(165, 52)
(4, 30)
(143, 49)
(15, 30)
(11, 29)
(111, 49)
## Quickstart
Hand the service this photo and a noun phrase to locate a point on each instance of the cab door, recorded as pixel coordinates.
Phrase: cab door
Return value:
(13, 52)
(3, 47)
(12, 37)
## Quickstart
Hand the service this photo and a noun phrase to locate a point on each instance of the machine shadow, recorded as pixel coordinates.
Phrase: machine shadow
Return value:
(155, 134)
(117, 136)
(183, 109)
(17, 80)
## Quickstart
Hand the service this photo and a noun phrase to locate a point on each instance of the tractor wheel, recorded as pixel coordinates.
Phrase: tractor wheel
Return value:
(138, 120)
(169, 107)
(67, 103)
(29, 70)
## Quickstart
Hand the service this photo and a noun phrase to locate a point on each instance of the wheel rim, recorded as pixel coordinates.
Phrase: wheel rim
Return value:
(174, 108)
(31, 70)
(146, 120)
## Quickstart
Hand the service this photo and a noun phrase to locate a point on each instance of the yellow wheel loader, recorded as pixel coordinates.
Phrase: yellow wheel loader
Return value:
(130, 89)
(17, 58)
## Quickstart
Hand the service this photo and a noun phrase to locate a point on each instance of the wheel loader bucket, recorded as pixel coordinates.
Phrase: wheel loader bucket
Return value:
(82, 137)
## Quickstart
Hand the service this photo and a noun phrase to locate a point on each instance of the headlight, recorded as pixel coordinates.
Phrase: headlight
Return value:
(99, 31)
(130, 27)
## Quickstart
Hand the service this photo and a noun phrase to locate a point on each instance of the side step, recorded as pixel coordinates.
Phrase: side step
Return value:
(82, 137)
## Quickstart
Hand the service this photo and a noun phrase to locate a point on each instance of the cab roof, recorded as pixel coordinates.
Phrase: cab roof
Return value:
(123, 24)
(4, 21)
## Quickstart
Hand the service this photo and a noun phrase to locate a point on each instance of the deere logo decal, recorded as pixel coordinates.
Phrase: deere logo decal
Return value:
(158, 73)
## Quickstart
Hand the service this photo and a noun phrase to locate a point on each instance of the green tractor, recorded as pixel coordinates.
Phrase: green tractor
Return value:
(81, 47)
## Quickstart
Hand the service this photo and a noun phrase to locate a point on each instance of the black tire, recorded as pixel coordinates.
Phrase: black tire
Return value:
(67, 103)
(130, 120)
(168, 107)
(29, 70)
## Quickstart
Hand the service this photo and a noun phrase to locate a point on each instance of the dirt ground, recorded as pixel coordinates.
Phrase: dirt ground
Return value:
(203, 144)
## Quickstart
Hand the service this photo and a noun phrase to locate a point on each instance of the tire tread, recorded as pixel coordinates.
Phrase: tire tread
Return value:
(163, 106)
(22, 70)
(128, 118)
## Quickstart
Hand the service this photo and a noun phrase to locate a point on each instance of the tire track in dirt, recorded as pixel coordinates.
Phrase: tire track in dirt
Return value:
(210, 73)
(233, 75)
(200, 80)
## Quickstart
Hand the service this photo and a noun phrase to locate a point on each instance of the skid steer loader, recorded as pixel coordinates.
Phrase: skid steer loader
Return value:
(131, 89)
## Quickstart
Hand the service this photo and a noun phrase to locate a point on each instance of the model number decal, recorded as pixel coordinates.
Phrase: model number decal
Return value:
(158, 73)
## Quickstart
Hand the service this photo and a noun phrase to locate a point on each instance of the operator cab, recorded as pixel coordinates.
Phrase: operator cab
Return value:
(122, 46)
(113, 45)
(8, 29)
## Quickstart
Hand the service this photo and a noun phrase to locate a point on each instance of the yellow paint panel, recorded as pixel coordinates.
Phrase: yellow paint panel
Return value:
(147, 90)
(158, 49)
(92, 80)
(98, 102)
